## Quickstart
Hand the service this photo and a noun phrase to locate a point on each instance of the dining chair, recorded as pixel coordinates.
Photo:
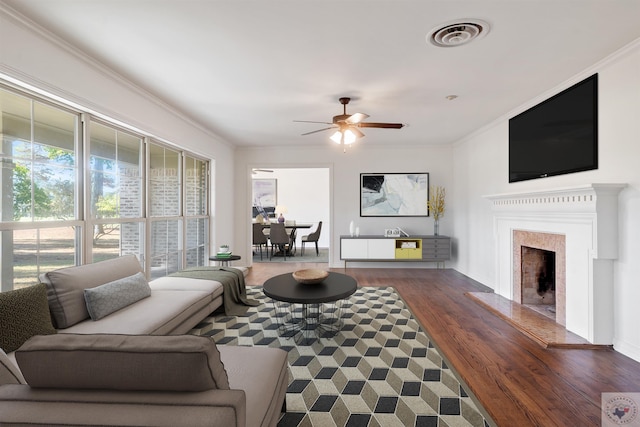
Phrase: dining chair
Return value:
(259, 239)
(293, 236)
(279, 237)
(311, 237)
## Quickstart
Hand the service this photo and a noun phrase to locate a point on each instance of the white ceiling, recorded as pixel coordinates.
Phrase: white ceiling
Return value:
(247, 69)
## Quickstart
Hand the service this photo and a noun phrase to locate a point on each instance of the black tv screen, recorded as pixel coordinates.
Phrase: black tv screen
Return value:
(557, 136)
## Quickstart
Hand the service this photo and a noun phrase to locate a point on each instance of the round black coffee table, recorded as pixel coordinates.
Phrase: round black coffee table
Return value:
(302, 309)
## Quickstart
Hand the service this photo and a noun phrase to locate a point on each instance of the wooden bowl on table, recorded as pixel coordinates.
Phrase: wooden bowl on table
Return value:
(310, 276)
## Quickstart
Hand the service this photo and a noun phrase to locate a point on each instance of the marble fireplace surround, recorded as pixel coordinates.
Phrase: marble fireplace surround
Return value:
(587, 217)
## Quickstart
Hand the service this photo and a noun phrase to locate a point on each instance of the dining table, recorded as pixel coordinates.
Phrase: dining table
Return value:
(292, 228)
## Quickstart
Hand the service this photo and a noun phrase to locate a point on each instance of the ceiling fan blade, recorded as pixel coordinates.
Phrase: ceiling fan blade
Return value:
(319, 130)
(380, 125)
(309, 121)
(356, 118)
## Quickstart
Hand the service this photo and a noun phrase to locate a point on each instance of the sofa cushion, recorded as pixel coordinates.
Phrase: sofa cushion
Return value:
(262, 373)
(21, 405)
(105, 299)
(65, 286)
(159, 314)
(175, 283)
(23, 314)
(9, 372)
(122, 362)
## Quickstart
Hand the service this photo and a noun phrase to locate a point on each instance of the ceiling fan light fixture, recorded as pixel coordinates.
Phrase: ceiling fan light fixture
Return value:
(349, 137)
(346, 136)
(336, 137)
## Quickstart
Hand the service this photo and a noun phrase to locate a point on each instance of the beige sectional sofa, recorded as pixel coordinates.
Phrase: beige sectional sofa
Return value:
(117, 356)
(175, 304)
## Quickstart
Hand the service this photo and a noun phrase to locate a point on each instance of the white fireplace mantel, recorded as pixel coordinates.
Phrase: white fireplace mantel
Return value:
(587, 216)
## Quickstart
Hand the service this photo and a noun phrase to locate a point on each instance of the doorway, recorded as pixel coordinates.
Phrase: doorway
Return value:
(302, 196)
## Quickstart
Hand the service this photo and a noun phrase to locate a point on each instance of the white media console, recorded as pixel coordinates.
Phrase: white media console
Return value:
(385, 249)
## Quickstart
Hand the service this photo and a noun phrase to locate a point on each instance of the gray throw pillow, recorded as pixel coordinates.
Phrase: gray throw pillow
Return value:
(105, 299)
(23, 313)
(65, 286)
(123, 362)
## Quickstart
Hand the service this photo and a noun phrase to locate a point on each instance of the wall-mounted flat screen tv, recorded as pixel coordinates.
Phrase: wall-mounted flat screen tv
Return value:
(557, 136)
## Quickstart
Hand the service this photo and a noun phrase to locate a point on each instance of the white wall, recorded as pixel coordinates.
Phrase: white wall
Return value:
(305, 193)
(480, 165)
(38, 58)
(344, 177)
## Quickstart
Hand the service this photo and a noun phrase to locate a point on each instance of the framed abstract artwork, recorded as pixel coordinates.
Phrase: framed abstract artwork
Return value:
(265, 193)
(394, 194)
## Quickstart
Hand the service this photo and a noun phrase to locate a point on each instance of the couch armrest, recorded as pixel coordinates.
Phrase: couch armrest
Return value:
(23, 404)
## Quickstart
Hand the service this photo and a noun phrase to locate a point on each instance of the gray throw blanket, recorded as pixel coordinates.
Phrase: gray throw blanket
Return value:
(235, 298)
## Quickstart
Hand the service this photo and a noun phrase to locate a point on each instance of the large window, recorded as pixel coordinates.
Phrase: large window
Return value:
(116, 192)
(197, 178)
(38, 153)
(38, 185)
(65, 200)
(32, 251)
(165, 196)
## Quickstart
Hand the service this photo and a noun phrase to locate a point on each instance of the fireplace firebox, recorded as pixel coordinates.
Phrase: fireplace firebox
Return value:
(538, 270)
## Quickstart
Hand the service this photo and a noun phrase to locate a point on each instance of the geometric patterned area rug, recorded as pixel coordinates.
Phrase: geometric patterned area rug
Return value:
(381, 369)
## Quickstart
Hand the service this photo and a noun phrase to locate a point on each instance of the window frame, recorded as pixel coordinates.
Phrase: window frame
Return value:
(83, 220)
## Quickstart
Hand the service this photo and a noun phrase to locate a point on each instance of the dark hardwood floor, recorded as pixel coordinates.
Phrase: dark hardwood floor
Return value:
(518, 381)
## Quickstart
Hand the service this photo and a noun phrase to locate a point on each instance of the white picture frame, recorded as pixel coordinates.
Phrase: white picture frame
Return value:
(394, 194)
(265, 192)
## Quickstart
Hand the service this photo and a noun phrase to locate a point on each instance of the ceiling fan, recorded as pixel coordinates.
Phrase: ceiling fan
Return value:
(255, 171)
(347, 125)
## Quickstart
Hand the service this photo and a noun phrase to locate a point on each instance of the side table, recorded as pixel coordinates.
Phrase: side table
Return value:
(223, 261)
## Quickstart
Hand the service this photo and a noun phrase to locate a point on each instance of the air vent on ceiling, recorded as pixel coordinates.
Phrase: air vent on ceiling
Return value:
(458, 33)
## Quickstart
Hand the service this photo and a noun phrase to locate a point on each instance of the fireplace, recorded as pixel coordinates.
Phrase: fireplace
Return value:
(539, 267)
(580, 225)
